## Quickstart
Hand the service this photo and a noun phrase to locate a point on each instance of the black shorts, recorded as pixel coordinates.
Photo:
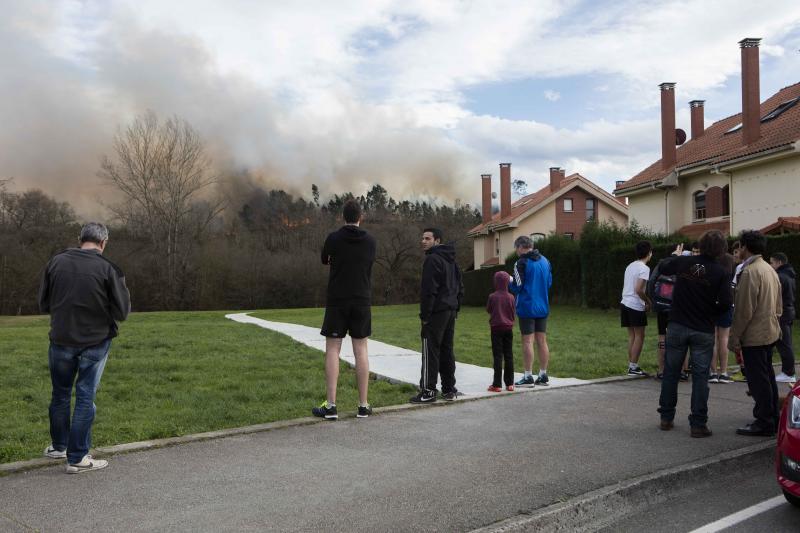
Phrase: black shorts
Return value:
(631, 318)
(353, 319)
(662, 318)
(528, 326)
(725, 320)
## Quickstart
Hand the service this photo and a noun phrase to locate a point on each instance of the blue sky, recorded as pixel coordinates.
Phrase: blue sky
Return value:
(421, 96)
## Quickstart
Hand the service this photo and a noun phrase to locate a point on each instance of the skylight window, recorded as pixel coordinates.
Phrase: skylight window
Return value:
(775, 113)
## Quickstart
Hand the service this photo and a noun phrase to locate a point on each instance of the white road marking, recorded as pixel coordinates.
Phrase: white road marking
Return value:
(741, 516)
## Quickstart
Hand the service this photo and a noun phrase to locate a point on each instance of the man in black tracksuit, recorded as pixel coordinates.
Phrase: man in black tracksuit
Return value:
(440, 300)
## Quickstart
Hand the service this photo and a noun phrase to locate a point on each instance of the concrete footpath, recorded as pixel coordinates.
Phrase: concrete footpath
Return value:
(449, 467)
(392, 362)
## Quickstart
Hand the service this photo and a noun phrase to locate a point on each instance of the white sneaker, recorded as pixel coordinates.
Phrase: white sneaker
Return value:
(52, 453)
(783, 378)
(87, 464)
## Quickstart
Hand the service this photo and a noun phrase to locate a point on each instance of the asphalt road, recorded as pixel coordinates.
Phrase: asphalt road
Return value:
(450, 468)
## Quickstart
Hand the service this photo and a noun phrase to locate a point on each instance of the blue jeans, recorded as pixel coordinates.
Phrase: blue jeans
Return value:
(679, 339)
(66, 362)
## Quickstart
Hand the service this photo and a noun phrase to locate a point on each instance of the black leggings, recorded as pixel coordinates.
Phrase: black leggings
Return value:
(503, 352)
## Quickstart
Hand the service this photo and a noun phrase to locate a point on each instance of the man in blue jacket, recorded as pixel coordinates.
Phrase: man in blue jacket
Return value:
(531, 283)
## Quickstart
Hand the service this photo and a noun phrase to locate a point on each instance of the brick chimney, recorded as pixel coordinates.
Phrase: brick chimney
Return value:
(698, 120)
(486, 197)
(505, 189)
(555, 177)
(669, 154)
(751, 94)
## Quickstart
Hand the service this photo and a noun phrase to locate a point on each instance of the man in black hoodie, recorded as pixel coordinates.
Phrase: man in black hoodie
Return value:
(440, 301)
(350, 253)
(85, 295)
(786, 274)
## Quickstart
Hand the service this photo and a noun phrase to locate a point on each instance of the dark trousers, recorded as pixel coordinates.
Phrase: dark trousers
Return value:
(701, 346)
(785, 349)
(437, 352)
(761, 381)
(502, 352)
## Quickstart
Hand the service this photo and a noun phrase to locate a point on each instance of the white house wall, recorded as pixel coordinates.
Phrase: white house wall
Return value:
(765, 192)
(647, 209)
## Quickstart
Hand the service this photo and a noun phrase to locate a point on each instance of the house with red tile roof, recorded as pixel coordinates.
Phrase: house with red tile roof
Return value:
(562, 207)
(742, 172)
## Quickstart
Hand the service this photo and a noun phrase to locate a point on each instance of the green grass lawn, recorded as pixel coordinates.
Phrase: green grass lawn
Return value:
(584, 343)
(171, 374)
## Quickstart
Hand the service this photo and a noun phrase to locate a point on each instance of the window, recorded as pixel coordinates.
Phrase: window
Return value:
(726, 202)
(570, 236)
(536, 237)
(497, 246)
(699, 205)
(590, 209)
(775, 113)
(568, 205)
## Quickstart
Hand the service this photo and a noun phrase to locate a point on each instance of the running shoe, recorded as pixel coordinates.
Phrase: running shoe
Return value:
(510, 388)
(494, 388)
(452, 395)
(659, 376)
(541, 379)
(364, 411)
(783, 378)
(526, 381)
(713, 378)
(636, 371)
(52, 453)
(87, 464)
(725, 378)
(684, 376)
(424, 396)
(323, 411)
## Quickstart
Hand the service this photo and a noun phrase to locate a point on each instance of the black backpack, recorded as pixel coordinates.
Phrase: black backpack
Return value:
(660, 289)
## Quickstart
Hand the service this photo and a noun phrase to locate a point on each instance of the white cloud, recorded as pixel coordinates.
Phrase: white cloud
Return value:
(552, 95)
(354, 92)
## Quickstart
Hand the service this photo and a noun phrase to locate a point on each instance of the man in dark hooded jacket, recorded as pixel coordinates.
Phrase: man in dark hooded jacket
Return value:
(787, 276)
(440, 301)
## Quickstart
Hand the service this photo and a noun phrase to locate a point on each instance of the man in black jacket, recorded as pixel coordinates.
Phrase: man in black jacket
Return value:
(786, 274)
(440, 300)
(702, 293)
(350, 253)
(85, 295)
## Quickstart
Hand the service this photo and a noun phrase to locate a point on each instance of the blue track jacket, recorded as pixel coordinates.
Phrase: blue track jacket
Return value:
(531, 284)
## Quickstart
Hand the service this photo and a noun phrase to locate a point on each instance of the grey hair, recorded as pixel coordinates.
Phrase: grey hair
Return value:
(523, 241)
(94, 232)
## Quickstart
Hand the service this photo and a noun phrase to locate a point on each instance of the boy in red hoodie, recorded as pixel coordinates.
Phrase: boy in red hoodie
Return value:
(501, 310)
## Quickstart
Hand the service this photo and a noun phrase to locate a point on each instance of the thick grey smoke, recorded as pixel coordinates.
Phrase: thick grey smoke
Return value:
(59, 116)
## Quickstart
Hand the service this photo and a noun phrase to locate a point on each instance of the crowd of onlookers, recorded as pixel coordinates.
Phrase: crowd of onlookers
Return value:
(710, 302)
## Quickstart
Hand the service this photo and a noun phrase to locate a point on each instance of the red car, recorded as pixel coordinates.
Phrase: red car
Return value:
(787, 455)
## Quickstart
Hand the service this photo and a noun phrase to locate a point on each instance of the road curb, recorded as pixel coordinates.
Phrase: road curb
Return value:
(602, 507)
(103, 451)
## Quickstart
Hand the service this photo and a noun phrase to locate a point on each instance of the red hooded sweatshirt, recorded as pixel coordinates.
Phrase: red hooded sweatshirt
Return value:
(501, 304)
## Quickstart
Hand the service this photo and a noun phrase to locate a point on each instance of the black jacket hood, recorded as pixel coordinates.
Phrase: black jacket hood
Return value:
(353, 233)
(533, 255)
(446, 251)
(787, 270)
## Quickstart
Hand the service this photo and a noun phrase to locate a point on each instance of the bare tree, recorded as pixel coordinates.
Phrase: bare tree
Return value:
(161, 169)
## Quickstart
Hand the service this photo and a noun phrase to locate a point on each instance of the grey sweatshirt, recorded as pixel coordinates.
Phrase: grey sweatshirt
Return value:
(85, 295)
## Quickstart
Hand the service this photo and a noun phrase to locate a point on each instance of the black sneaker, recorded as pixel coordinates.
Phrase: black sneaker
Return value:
(364, 412)
(684, 376)
(542, 380)
(636, 371)
(323, 411)
(424, 396)
(452, 395)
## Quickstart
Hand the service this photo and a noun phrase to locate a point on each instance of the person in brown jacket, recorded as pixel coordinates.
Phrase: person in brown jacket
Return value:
(756, 327)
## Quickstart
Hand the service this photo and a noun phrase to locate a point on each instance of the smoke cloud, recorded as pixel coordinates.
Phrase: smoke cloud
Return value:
(61, 113)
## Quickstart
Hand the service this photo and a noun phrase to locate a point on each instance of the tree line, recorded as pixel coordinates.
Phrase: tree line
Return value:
(184, 244)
